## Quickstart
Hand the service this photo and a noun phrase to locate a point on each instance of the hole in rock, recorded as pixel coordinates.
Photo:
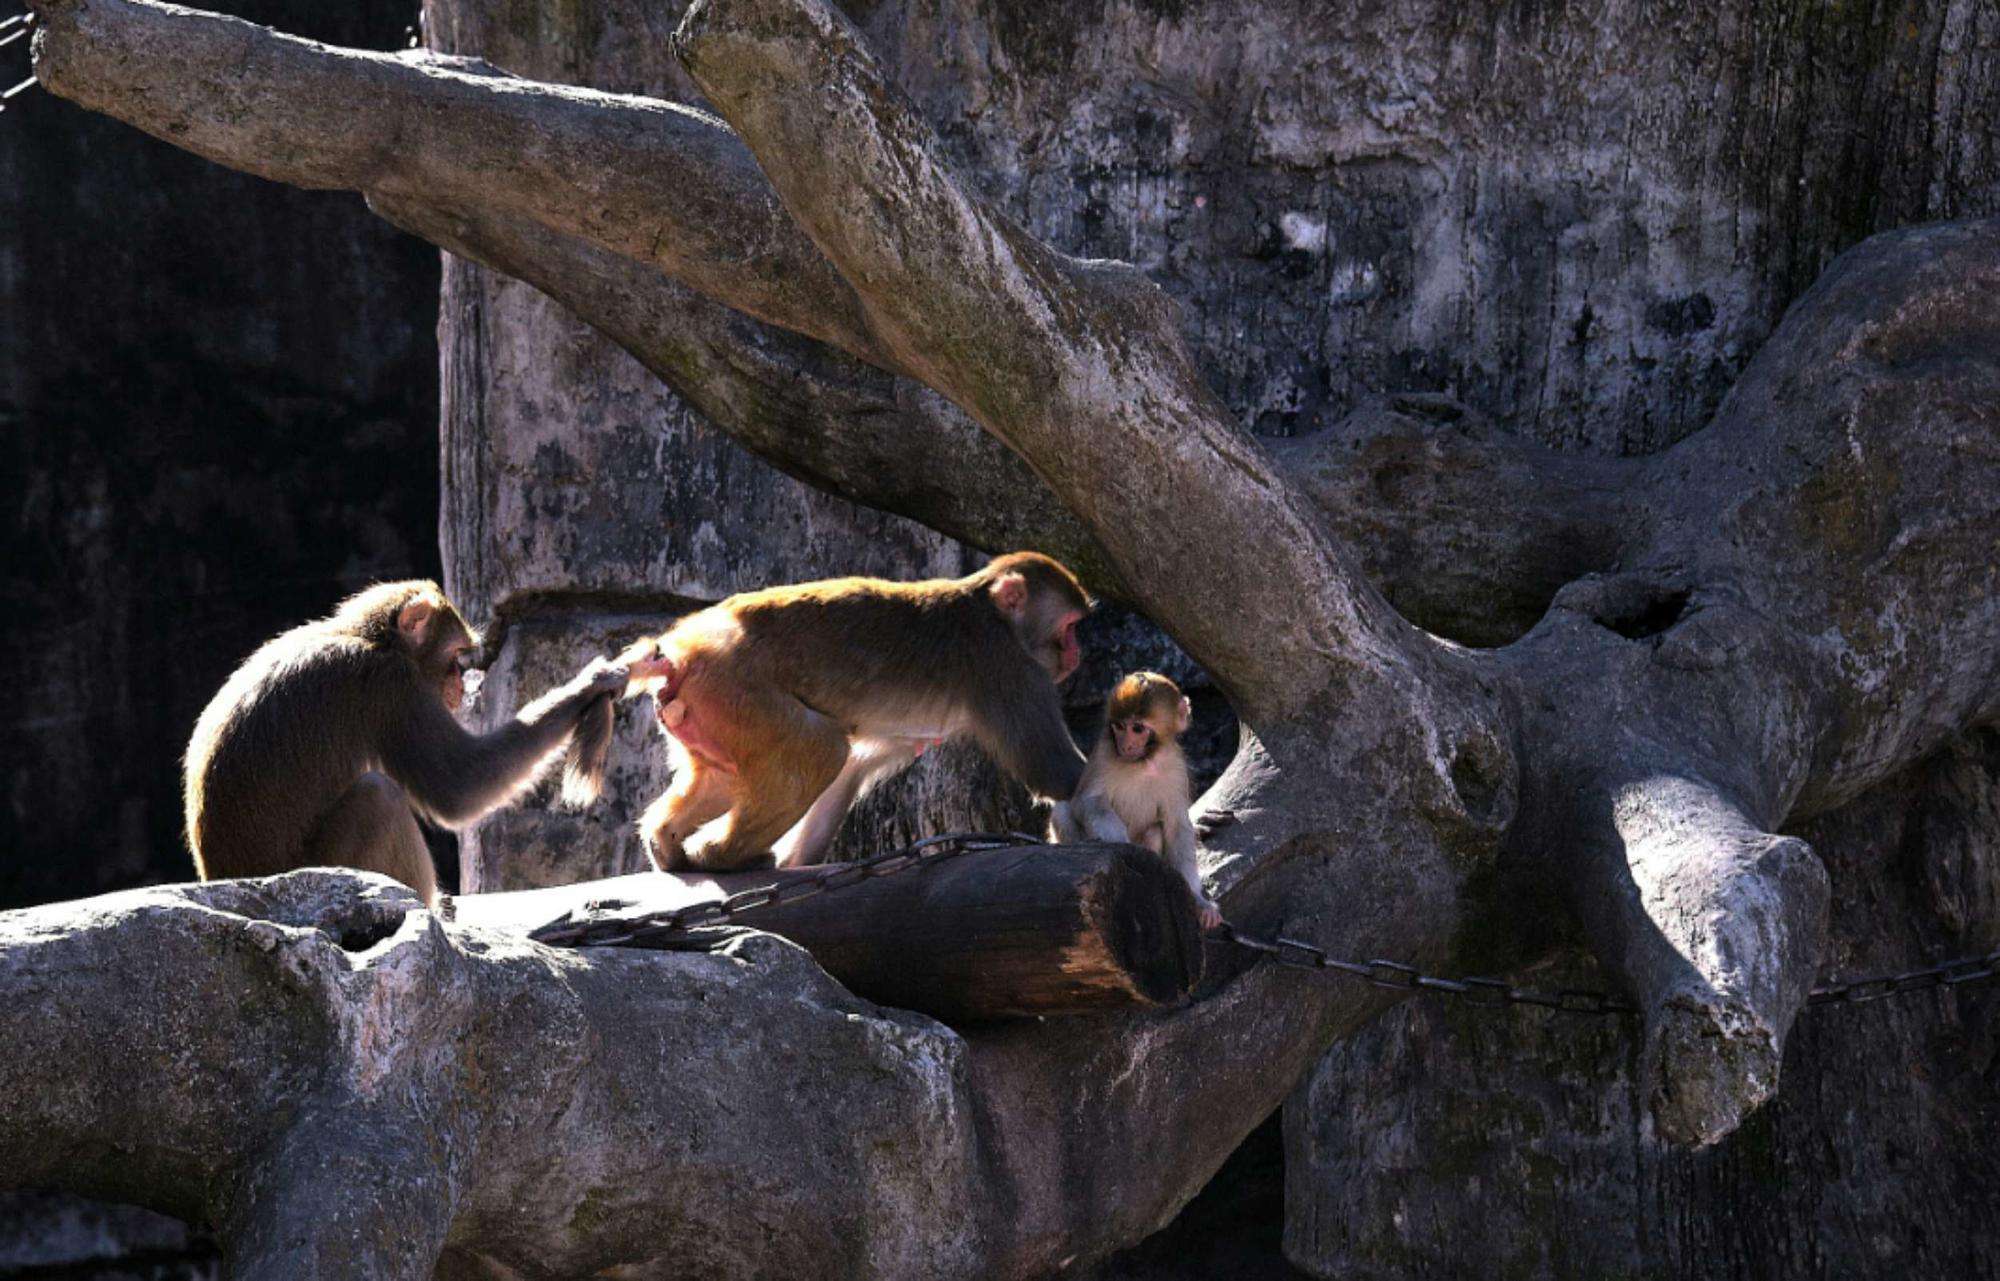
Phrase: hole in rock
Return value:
(359, 936)
(1476, 783)
(1234, 1227)
(58, 1234)
(1647, 615)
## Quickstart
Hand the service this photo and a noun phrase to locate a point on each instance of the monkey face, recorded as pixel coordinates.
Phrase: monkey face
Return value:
(1135, 739)
(1145, 710)
(1068, 652)
(430, 630)
(458, 674)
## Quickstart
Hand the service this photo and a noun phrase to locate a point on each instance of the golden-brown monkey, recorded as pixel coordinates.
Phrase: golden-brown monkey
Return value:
(327, 742)
(1135, 787)
(781, 705)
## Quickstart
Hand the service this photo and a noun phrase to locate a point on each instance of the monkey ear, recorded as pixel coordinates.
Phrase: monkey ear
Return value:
(414, 619)
(1010, 593)
(1186, 717)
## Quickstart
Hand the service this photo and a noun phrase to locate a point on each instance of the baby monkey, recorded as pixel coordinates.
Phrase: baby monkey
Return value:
(1135, 787)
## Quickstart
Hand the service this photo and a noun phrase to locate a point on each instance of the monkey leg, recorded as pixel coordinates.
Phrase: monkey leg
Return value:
(371, 827)
(700, 794)
(797, 755)
(867, 760)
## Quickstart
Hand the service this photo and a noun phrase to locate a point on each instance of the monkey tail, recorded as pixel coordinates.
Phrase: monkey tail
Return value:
(589, 752)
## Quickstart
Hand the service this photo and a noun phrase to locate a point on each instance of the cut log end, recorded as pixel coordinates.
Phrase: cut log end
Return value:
(1015, 932)
(1133, 928)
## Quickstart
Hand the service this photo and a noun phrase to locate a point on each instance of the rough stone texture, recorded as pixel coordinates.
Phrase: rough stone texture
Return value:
(1582, 219)
(58, 1234)
(375, 1008)
(346, 1085)
(217, 396)
(1441, 1125)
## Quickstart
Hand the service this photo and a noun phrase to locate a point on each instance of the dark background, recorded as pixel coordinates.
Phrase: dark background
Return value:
(218, 398)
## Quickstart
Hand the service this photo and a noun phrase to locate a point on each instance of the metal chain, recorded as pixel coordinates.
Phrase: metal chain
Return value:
(1390, 974)
(584, 929)
(1966, 969)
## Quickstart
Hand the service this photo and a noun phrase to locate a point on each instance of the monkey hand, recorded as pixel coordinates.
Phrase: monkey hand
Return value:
(646, 667)
(1211, 913)
(603, 677)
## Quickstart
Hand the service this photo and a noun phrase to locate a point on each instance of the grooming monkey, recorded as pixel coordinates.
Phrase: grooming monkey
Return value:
(326, 743)
(781, 705)
(1135, 787)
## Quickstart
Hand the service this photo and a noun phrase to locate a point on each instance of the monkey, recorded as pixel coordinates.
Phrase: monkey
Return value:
(781, 705)
(1135, 787)
(327, 743)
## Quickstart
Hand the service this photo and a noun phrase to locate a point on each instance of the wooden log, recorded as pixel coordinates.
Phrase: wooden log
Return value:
(1000, 933)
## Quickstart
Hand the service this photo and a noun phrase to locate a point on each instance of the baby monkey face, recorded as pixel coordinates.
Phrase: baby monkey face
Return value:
(1134, 739)
(1145, 710)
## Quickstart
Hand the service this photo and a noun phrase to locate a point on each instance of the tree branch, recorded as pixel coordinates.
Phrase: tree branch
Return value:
(558, 1113)
(1715, 926)
(1076, 365)
(648, 180)
(627, 209)
(809, 410)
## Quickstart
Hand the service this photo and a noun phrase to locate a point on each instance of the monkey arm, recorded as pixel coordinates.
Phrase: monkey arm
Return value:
(1093, 816)
(1179, 848)
(455, 776)
(1024, 732)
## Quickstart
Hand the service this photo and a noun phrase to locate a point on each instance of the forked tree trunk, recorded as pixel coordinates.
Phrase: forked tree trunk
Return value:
(1786, 602)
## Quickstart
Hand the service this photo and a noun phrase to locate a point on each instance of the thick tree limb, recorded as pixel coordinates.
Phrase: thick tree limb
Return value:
(1077, 366)
(652, 181)
(1715, 926)
(1000, 933)
(807, 409)
(435, 143)
(734, 1114)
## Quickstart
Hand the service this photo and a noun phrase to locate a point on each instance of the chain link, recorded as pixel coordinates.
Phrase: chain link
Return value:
(1497, 992)
(592, 927)
(1404, 978)
(1966, 969)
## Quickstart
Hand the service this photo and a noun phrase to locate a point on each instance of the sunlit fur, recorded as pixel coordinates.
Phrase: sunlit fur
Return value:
(783, 703)
(1142, 800)
(324, 745)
